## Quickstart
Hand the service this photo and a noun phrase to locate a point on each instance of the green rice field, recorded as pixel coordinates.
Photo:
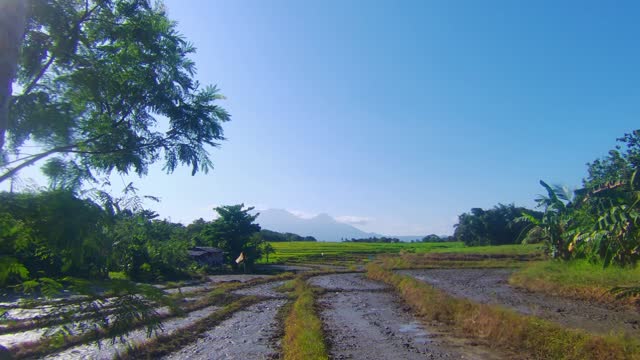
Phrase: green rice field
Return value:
(347, 251)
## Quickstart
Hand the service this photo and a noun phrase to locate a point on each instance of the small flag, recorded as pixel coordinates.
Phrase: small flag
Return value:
(240, 258)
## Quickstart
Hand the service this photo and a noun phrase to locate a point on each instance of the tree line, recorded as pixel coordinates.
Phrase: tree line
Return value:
(599, 221)
(51, 235)
(274, 236)
(373, 239)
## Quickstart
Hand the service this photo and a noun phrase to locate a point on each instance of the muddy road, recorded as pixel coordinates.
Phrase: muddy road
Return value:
(364, 320)
(491, 286)
(247, 334)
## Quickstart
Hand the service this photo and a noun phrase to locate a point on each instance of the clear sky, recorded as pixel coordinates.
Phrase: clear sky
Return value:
(403, 114)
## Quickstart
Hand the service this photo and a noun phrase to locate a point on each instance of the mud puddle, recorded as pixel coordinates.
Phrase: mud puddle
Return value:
(490, 286)
(363, 321)
(247, 334)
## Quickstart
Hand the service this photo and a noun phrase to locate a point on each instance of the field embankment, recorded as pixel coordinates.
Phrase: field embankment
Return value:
(504, 328)
(578, 279)
(490, 286)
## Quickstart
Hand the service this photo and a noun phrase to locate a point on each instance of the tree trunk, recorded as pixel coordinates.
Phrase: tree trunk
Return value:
(13, 16)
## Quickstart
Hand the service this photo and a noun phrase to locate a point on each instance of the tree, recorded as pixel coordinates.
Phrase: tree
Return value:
(235, 232)
(64, 234)
(495, 226)
(617, 168)
(194, 232)
(268, 249)
(97, 81)
(432, 238)
(274, 236)
(553, 226)
(13, 15)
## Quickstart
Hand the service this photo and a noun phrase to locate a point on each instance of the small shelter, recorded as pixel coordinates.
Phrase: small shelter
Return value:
(205, 255)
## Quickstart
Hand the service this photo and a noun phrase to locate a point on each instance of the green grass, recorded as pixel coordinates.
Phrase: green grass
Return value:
(516, 249)
(349, 252)
(303, 336)
(576, 278)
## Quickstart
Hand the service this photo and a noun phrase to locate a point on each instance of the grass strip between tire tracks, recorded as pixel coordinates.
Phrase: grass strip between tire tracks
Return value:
(504, 328)
(303, 334)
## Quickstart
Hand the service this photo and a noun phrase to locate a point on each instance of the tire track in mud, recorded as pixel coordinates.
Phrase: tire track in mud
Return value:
(364, 320)
(247, 334)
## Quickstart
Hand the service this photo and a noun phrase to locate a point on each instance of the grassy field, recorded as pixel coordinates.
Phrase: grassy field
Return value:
(346, 252)
(576, 278)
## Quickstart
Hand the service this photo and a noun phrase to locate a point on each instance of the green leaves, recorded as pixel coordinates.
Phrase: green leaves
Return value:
(501, 225)
(235, 232)
(10, 267)
(97, 77)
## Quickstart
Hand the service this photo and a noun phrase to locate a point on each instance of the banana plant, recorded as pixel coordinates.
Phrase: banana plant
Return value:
(553, 224)
(615, 234)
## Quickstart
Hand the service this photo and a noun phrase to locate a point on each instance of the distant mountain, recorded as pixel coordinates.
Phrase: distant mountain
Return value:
(323, 227)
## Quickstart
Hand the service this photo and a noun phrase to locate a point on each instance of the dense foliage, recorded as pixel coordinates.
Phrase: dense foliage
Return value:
(235, 232)
(497, 226)
(274, 236)
(437, 238)
(48, 236)
(601, 221)
(102, 86)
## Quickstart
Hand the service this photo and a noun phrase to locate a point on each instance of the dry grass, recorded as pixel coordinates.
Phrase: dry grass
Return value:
(303, 335)
(504, 328)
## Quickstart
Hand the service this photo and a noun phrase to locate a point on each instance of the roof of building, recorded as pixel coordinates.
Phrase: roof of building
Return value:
(196, 253)
(204, 249)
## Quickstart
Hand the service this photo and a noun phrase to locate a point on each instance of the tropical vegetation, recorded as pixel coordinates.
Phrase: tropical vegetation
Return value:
(600, 221)
(497, 226)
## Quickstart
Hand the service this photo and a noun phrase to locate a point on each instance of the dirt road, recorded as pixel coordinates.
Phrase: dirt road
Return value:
(364, 320)
(248, 334)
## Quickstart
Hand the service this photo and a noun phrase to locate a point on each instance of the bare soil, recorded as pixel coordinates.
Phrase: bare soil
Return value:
(490, 286)
(107, 349)
(245, 335)
(364, 320)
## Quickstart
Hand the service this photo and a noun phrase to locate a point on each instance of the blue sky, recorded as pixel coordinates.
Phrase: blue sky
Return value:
(402, 115)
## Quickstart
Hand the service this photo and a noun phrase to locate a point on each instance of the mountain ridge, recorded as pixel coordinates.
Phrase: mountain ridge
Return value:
(323, 226)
